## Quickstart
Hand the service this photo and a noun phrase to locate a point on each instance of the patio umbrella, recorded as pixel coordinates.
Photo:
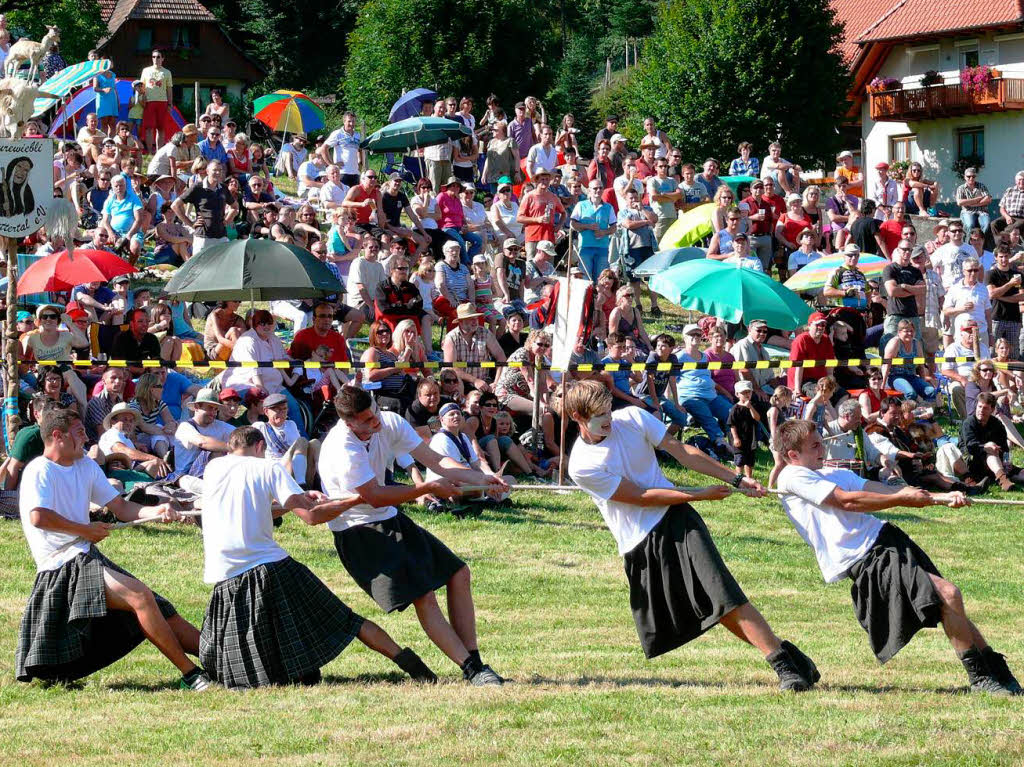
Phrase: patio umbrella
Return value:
(58, 272)
(71, 115)
(811, 278)
(665, 259)
(414, 133)
(252, 270)
(410, 104)
(288, 112)
(731, 293)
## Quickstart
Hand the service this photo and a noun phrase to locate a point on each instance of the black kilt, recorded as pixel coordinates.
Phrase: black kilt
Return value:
(395, 561)
(679, 586)
(893, 596)
(67, 632)
(272, 625)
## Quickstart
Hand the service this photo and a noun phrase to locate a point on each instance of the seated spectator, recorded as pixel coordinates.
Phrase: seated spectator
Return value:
(514, 336)
(424, 410)
(423, 279)
(111, 393)
(742, 255)
(199, 439)
(470, 343)
(848, 445)
(136, 342)
(813, 344)
(983, 380)
(284, 445)
(393, 387)
(495, 442)
(904, 378)
(625, 319)
(322, 343)
(805, 254)
(118, 446)
(539, 272)
(397, 298)
(122, 219)
(984, 442)
(454, 448)
(364, 277)
(53, 386)
(224, 326)
(620, 382)
(409, 346)
(870, 399)
(454, 283)
(451, 386)
(697, 392)
(658, 389)
(958, 372)
(156, 426)
(848, 345)
(515, 387)
(717, 351)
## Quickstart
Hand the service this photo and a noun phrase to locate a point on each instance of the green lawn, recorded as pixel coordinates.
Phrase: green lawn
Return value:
(554, 618)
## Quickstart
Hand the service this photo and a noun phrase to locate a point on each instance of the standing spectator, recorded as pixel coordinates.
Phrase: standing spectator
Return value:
(159, 99)
(611, 127)
(865, 231)
(291, 157)
(510, 276)
(601, 166)
(543, 155)
(905, 288)
(637, 220)
(502, 157)
(439, 157)
(618, 154)
(892, 230)
(537, 213)
(211, 200)
(840, 207)
(628, 180)
(971, 297)
(104, 85)
(1011, 209)
(813, 344)
(663, 193)
(693, 193)
(709, 178)
(645, 162)
(1004, 290)
(949, 259)
(743, 423)
(973, 198)
(919, 193)
(596, 222)
(850, 173)
(521, 130)
(785, 174)
(347, 155)
(745, 165)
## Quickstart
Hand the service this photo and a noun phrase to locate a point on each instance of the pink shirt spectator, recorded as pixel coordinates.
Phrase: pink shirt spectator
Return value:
(450, 208)
(724, 378)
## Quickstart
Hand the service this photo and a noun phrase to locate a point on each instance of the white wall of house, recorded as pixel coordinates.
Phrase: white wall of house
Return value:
(936, 141)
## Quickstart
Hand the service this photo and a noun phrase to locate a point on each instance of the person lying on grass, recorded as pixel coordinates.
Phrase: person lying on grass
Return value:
(896, 589)
(679, 585)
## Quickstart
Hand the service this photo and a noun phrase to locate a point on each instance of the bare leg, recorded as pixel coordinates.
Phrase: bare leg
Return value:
(493, 454)
(1011, 429)
(461, 611)
(962, 633)
(128, 594)
(439, 630)
(312, 458)
(376, 638)
(187, 634)
(749, 625)
(515, 454)
(426, 332)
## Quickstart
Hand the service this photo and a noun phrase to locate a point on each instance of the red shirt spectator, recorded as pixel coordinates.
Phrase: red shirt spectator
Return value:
(891, 232)
(767, 226)
(813, 344)
(534, 206)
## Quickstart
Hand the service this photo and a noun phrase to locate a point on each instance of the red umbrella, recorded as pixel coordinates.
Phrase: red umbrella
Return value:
(59, 272)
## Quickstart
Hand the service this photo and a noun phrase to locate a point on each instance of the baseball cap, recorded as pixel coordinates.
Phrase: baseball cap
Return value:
(255, 394)
(618, 137)
(693, 327)
(844, 153)
(120, 279)
(509, 243)
(611, 119)
(520, 105)
(229, 393)
(23, 315)
(743, 386)
(882, 166)
(479, 258)
(76, 314)
(816, 318)
(918, 251)
(547, 246)
(793, 197)
(740, 236)
(395, 177)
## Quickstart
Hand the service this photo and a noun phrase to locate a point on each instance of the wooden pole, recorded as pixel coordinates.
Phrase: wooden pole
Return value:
(11, 344)
(563, 421)
(196, 100)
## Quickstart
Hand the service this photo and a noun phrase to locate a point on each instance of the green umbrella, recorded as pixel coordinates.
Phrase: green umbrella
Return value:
(252, 270)
(415, 133)
(731, 293)
(665, 259)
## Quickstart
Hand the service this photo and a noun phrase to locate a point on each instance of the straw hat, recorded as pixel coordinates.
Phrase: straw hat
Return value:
(466, 312)
(118, 410)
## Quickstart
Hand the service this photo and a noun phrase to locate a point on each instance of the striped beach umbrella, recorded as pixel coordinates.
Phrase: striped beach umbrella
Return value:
(811, 278)
(66, 80)
(288, 112)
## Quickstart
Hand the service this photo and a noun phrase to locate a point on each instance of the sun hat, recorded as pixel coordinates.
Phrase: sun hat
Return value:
(547, 246)
(479, 258)
(743, 386)
(118, 410)
(851, 249)
(190, 129)
(693, 327)
(452, 181)
(793, 197)
(466, 312)
(541, 172)
(205, 397)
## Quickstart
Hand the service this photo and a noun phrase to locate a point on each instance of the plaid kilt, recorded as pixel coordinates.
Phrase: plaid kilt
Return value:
(272, 625)
(67, 632)
(893, 595)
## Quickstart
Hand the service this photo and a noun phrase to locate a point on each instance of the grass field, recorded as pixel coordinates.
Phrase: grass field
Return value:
(553, 617)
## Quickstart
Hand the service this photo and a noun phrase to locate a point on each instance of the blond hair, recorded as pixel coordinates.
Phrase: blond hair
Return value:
(586, 399)
(793, 434)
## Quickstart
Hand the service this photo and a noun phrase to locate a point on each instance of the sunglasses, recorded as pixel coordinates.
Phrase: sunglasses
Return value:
(986, 370)
(49, 316)
(543, 345)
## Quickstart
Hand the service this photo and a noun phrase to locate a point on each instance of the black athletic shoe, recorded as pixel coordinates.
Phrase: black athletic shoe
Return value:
(980, 675)
(656, 312)
(486, 676)
(790, 679)
(997, 666)
(413, 665)
(803, 663)
(311, 678)
(196, 680)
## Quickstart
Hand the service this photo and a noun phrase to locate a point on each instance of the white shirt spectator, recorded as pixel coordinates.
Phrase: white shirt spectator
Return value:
(278, 441)
(959, 294)
(186, 447)
(959, 350)
(622, 185)
(948, 261)
(539, 157)
(442, 444)
(346, 150)
(507, 214)
(331, 192)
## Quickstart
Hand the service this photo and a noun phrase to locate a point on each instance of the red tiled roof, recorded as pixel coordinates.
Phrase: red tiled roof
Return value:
(107, 9)
(911, 18)
(856, 16)
(155, 10)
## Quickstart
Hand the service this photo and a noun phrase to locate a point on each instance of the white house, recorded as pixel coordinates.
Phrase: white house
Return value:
(941, 124)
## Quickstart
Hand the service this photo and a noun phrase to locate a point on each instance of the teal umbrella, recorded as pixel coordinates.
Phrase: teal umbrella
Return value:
(415, 133)
(667, 258)
(252, 270)
(731, 293)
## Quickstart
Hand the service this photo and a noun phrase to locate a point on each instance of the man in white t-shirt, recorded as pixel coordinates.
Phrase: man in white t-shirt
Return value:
(295, 624)
(543, 155)
(85, 612)
(291, 157)
(198, 438)
(346, 153)
(393, 559)
(456, 451)
(896, 590)
(311, 175)
(333, 190)
(614, 461)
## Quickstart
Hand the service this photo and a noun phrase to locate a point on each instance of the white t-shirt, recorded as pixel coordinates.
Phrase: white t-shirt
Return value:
(626, 453)
(957, 349)
(331, 192)
(538, 157)
(238, 524)
(66, 490)
(474, 214)
(347, 463)
(839, 538)
(298, 156)
(287, 435)
(369, 274)
(112, 437)
(948, 260)
(346, 150)
(959, 294)
(508, 216)
(622, 185)
(186, 447)
(312, 169)
(443, 445)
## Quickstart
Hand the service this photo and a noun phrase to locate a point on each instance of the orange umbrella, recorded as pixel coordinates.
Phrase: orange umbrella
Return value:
(59, 272)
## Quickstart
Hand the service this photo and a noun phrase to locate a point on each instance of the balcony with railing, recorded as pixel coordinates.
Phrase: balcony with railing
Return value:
(934, 101)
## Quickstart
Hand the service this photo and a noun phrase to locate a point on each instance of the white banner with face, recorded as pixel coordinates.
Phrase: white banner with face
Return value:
(26, 185)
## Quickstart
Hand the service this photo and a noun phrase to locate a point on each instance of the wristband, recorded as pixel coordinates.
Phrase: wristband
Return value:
(737, 480)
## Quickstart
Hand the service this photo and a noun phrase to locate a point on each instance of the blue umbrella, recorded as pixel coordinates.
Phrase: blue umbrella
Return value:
(663, 259)
(84, 102)
(410, 104)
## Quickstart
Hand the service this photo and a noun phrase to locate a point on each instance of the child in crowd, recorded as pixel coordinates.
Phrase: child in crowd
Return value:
(743, 424)
(137, 107)
(423, 279)
(484, 286)
(284, 444)
(819, 409)
(620, 381)
(781, 400)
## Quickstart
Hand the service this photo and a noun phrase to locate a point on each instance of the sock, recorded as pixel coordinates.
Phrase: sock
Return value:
(475, 655)
(191, 675)
(471, 665)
